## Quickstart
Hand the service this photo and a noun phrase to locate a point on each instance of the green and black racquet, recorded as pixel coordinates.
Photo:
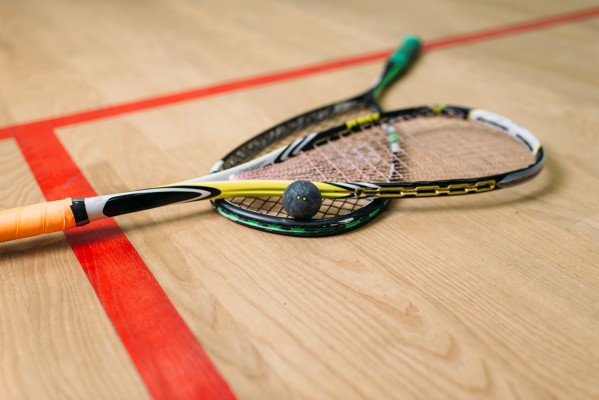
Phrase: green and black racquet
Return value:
(335, 215)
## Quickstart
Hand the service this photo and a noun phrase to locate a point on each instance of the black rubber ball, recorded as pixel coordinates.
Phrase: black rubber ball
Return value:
(302, 200)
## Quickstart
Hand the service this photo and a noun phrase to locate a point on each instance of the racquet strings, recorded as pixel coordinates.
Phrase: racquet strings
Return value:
(262, 145)
(431, 148)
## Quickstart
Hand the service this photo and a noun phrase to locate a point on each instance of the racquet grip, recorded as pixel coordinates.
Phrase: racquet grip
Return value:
(53, 216)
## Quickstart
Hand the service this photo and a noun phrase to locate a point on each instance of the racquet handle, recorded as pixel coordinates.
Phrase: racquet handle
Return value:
(53, 216)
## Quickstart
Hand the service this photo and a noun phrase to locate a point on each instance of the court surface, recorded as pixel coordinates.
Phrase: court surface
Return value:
(490, 296)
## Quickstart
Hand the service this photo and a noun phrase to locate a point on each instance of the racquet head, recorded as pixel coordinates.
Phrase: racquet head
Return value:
(415, 152)
(335, 215)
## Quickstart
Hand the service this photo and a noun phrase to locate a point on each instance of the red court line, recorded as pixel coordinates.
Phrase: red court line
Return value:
(513, 29)
(296, 73)
(168, 357)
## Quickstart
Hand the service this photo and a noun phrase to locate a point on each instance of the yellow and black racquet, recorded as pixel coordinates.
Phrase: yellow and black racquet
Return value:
(416, 152)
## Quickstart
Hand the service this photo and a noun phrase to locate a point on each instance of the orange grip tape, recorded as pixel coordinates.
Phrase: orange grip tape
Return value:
(53, 216)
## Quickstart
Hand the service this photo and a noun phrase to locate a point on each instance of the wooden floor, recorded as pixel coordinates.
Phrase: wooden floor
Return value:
(491, 296)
